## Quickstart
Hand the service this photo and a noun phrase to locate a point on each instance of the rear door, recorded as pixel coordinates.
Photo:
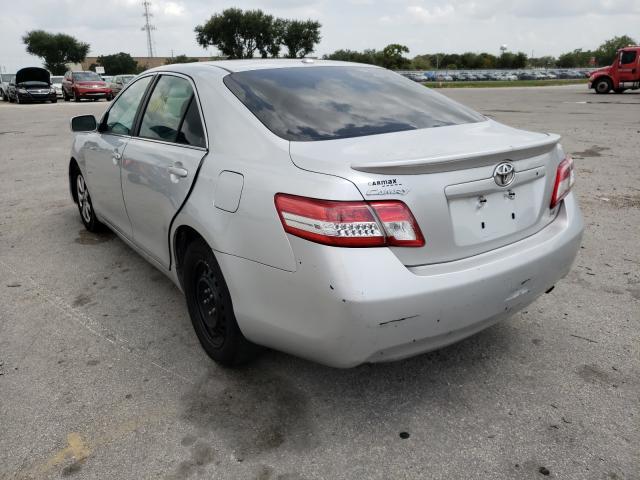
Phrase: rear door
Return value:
(161, 162)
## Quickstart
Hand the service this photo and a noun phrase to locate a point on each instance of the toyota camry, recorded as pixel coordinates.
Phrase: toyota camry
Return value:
(338, 212)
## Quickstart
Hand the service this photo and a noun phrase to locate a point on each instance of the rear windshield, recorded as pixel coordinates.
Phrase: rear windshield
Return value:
(324, 103)
(87, 77)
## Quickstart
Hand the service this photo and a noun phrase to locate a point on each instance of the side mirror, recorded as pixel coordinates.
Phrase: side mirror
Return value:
(84, 123)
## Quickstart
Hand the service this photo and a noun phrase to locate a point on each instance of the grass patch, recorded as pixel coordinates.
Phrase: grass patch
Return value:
(506, 83)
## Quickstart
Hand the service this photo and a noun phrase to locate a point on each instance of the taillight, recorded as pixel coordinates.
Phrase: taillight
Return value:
(349, 224)
(565, 178)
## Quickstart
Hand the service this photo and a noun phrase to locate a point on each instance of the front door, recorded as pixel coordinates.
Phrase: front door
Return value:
(628, 66)
(103, 157)
(160, 163)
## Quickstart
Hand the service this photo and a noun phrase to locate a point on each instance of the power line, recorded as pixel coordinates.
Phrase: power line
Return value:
(148, 27)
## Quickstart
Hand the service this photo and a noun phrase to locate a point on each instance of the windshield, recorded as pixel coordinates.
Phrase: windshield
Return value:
(127, 78)
(324, 103)
(86, 77)
(8, 77)
(56, 80)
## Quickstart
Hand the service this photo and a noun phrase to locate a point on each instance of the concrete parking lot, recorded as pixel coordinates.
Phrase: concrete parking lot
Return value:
(102, 377)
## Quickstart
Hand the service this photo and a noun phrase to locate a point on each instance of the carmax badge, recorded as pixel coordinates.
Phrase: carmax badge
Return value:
(387, 187)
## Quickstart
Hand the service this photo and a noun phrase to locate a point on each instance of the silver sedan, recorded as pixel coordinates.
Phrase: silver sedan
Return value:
(335, 211)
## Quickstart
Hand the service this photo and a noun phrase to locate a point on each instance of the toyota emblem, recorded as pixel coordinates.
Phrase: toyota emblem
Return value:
(504, 174)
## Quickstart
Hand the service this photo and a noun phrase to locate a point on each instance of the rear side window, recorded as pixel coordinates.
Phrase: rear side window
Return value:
(166, 108)
(191, 132)
(324, 103)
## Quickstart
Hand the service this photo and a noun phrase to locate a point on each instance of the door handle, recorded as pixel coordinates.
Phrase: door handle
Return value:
(178, 171)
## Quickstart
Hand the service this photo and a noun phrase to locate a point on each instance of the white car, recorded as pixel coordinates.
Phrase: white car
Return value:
(335, 211)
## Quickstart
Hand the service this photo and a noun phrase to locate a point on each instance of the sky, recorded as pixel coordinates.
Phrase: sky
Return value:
(544, 27)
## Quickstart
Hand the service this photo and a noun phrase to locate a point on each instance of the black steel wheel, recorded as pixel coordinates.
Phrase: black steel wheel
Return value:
(211, 309)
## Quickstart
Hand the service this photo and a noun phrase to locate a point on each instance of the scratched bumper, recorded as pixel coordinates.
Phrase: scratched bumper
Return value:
(344, 307)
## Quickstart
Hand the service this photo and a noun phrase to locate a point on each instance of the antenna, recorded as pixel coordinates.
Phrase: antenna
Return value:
(148, 27)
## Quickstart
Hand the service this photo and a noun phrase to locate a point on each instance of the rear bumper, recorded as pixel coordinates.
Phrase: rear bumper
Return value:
(343, 307)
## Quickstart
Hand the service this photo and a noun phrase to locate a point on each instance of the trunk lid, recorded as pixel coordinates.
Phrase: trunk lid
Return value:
(445, 176)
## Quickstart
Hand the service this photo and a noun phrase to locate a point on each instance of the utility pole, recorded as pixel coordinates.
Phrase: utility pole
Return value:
(148, 27)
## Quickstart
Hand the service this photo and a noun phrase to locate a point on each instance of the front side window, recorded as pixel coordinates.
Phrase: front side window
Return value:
(120, 117)
(628, 57)
(325, 103)
(166, 108)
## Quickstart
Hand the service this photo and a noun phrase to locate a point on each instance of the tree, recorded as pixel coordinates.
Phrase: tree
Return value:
(606, 53)
(180, 59)
(238, 34)
(55, 49)
(300, 37)
(392, 56)
(118, 63)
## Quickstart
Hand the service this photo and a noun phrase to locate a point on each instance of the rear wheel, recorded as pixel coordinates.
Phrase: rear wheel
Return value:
(87, 214)
(211, 309)
(603, 85)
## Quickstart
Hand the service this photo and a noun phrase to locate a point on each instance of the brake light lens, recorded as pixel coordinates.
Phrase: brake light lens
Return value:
(349, 224)
(565, 178)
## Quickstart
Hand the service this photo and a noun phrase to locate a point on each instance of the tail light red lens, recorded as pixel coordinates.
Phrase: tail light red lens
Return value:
(565, 178)
(349, 224)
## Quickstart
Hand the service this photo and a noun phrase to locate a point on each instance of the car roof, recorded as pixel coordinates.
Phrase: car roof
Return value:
(233, 66)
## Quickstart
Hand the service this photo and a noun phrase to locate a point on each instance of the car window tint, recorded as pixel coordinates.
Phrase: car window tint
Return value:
(191, 132)
(628, 57)
(122, 114)
(167, 105)
(324, 103)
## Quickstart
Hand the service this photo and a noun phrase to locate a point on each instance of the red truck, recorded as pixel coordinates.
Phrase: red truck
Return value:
(623, 74)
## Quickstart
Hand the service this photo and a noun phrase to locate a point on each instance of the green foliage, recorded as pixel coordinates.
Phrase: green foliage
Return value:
(180, 59)
(392, 57)
(55, 49)
(300, 37)
(118, 64)
(606, 53)
(574, 59)
(389, 57)
(240, 34)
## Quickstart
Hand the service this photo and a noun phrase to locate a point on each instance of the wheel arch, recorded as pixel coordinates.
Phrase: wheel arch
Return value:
(184, 235)
(74, 169)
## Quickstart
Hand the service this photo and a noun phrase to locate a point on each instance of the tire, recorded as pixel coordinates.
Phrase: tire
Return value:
(55, 100)
(76, 98)
(85, 207)
(618, 90)
(64, 95)
(211, 309)
(603, 85)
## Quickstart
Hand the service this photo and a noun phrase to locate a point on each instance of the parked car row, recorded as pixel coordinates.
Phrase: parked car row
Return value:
(35, 84)
(481, 75)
